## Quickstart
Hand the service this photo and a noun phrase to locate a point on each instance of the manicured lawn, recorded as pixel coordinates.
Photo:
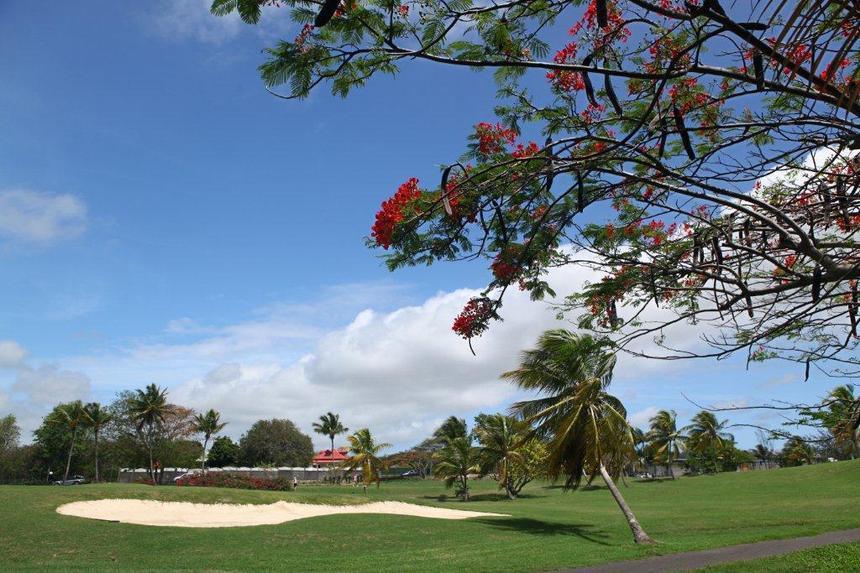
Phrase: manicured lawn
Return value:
(842, 557)
(547, 528)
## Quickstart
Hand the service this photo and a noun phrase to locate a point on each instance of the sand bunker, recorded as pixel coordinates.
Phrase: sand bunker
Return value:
(184, 514)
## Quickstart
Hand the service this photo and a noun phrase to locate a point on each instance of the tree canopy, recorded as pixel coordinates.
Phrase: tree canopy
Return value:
(700, 158)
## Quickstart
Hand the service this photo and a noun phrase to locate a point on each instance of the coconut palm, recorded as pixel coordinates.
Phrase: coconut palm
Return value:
(450, 430)
(586, 428)
(329, 425)
(455, 462)
(207, 424)
(666, 440)
(842, 417)
(96, 417)
(365, 456)
(71, 416)
(148, 409)
(708, 436)
(502, 439)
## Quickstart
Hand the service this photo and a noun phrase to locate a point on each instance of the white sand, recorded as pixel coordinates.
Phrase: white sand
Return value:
(183, 514)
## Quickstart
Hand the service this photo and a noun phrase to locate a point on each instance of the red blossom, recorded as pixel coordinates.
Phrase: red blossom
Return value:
(475, 318)
(391, 212)
(493, 138)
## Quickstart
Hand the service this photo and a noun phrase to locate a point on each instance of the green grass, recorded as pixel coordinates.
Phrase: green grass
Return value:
(842, 557)
(547, 528)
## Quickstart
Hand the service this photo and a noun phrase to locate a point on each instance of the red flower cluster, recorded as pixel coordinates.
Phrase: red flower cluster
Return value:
(403, 10)
(235, 481)
(475, 318)
(689, 99)
(493, 138)
(391, 212)
(524, 151)
(307, 29)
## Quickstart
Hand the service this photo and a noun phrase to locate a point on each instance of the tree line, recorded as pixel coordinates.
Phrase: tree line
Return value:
(140, 428)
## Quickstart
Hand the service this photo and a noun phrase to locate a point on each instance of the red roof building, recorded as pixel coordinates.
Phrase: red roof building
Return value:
(327, 457)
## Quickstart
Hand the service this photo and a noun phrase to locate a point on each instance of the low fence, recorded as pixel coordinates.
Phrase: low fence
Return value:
(131, 475)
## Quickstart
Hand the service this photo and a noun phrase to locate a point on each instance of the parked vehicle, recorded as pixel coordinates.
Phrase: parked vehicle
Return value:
(74, 480)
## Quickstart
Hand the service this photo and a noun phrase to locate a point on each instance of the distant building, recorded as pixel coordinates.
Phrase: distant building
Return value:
(330, 457)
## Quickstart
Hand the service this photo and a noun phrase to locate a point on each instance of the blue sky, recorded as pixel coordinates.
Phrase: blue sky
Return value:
(166, 220)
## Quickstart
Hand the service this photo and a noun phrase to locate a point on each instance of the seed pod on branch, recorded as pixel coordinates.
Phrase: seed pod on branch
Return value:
(661, 146)
(824, 191)
(589, 89)
(610, 92)
(816, 283)
(550, 174)
(602, 13)
(758, 65)
(580, 193)
(718, 254)
(842, 199)
(653, 286)
(325, 14)
(747, 236)
(612, 312)
(682, 131)
(852, 308)
(806, 374)
(446, 203)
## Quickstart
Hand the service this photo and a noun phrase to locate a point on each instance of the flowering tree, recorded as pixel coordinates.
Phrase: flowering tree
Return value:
(723, 139)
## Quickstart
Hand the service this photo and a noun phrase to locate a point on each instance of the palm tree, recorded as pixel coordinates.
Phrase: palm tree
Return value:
(843, 417)
(365, 455)
(207, 424)
(70, 415)
(586, 428)
(455, 462)
(450, 430)
(148, 408)
(665, 438)
(329, 425)
(502, 439)
(707, 436)
(96, 417)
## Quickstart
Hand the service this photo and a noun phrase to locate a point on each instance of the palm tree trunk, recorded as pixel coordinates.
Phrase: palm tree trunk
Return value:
(69, 459)
(96, 446)
(203, 457)
(639, 535)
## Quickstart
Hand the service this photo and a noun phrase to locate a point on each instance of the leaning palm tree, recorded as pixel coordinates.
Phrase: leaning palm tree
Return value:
(71, 416)
(586, 428)
(843, 417)
(96, 417)
(207, 424)
(708, 436)
(666, 440)
(148, 408)
(455, 462)
(502, 440)
(365, 456)
(329, 425)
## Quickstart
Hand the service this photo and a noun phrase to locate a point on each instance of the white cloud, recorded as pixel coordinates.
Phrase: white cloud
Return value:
(181, 19)
(40, 218)
(12, 354)
(640, 419)
(37, 390)
(191, 19)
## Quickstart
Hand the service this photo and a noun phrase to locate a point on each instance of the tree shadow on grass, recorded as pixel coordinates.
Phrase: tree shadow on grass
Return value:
(537, 527)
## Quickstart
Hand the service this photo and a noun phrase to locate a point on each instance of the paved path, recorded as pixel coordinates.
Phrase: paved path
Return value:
(697, 559)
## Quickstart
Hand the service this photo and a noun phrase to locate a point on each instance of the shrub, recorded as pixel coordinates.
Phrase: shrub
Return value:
(235, 481)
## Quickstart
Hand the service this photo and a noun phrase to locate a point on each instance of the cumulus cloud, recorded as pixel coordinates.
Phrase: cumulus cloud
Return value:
(49, 384)
(181, 19)
(37, 218)
(12, 354)
(192, 20)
